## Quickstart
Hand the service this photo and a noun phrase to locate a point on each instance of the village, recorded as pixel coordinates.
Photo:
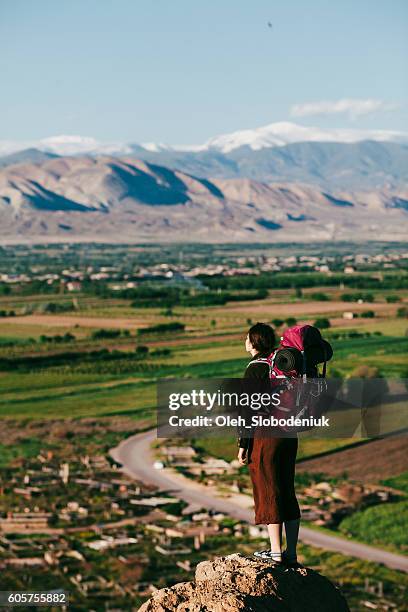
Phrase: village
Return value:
(97, 533)
(325, 503)
(104, 537)
(181, 270)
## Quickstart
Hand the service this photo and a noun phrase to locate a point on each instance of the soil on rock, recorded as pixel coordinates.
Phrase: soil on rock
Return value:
(234, 583)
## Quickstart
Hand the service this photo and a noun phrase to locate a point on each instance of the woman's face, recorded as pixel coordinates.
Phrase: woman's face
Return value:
(248, 344)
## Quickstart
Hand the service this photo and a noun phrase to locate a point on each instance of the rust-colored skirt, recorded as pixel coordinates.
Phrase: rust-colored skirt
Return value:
(272, 469)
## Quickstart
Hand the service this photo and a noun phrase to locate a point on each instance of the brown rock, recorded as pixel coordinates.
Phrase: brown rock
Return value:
(233, 583)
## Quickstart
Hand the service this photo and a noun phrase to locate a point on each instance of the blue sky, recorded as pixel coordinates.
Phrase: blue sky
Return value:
(181, 71)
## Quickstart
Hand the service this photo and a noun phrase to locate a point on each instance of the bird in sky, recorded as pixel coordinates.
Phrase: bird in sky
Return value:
(270, 24)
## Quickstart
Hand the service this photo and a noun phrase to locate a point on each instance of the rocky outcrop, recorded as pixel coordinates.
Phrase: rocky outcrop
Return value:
(233, 583)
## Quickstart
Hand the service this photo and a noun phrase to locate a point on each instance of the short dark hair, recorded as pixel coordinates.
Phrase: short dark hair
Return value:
(262, 337)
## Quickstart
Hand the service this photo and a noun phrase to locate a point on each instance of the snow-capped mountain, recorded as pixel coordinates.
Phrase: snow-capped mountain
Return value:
(66, 145)
(272, 135)
(285, 132)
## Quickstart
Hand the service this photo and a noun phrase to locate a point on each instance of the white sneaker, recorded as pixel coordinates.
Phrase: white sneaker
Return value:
(268, 555)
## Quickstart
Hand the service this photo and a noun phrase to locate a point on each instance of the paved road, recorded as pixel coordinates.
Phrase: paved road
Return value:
(135, 455)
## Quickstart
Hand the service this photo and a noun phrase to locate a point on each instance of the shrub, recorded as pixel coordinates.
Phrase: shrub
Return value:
(290, 321)
(319, 297)
(277, 322)
(355, 297)
(322, 323)
(368, 314)
(161, 352)
(54, 307)
(392, 299)
(355, 334)
(57, 338)
(100, 334)
(175, 326)
(142, 350)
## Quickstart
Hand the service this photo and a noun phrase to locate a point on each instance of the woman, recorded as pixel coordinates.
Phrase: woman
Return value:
(271, 462)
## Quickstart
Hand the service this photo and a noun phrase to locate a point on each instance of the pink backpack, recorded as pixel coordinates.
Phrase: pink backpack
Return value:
(294, 362)
(300, 350)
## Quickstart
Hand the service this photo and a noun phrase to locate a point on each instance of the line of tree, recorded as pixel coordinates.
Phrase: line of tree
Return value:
(108, 334)
(355, 297)
(34, 362)
(352, 334)
(57, 339)
(162, 328)
(283, 280)
(169, 297)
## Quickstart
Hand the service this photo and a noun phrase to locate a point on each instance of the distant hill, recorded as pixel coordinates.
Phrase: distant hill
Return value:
(123, 199)
(361, 165)
(26, 155)
(331, 158)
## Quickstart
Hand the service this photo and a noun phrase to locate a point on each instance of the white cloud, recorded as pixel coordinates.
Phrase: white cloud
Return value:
(354, 108)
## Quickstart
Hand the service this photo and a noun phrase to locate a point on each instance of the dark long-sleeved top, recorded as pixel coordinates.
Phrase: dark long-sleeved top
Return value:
(257, 371)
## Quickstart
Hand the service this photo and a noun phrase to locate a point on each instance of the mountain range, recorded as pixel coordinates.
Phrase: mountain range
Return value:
(272, 135)
(123, 199)
(279, 182)
(331, 159)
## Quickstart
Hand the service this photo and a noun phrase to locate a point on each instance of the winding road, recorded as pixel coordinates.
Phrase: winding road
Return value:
(136, 457)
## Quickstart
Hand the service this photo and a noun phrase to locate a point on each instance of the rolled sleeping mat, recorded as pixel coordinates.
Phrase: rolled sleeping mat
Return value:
(289, 359)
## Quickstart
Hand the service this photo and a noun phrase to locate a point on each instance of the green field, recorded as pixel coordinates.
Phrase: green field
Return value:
(210, 346)
(121, 383)
(79, 371)
(74, 357)
(383, 525)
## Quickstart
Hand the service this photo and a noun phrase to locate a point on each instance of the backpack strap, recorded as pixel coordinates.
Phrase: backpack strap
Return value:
(304, 370)
(272, 373)
(268, 360)
(261, 360)
(324, 363)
